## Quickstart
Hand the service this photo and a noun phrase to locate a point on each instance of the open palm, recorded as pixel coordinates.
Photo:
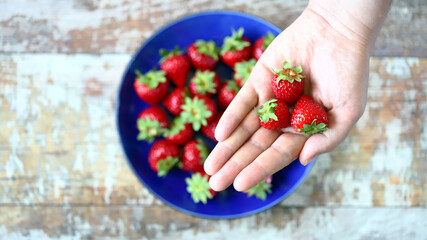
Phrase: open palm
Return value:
(336, 68)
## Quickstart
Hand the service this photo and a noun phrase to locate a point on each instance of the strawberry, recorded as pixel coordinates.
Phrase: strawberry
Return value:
(209, 130)
(194, 155)
(176, 65)
(198, 111)
(242, 70)
(261, 189)
(179, 132)
(236, 48)
(175, 99)
(203, 54)
(288, 83)
(152, 122)
(227, 92)
(261, 44)
(274, 114)
(151, 87)
(308, 116)
(198, 187)
(205, 83)
(163, 156)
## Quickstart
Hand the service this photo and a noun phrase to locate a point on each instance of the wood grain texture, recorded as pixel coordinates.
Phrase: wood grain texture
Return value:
(136, 222)
(120, 26)
(58, 143)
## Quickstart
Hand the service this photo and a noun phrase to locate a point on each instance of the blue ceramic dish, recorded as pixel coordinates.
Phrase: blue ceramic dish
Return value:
(172, 189)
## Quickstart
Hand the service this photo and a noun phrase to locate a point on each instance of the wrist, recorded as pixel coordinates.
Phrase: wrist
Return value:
(359, 20)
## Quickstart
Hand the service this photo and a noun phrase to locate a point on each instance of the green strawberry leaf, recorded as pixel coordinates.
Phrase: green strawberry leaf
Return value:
(266, 112)
(208, 48)
(195, 111)
(152, 78)
(289, 73)
(313, 128)
(165, 165)
(243, 70)
(232, 86)
(204, 81)
(149, 129)
(167, 54)
(234, 42)
(177, 126)
(260, 190)
(198, 187)
(268, 39)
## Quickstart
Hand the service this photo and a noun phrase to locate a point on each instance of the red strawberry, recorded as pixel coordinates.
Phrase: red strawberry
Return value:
(198, 111)
(274, 114)
(236, 48)
(205, 83)
(261, 44)
(151, 87)
(163, 156)
(152, 122)
(179, 132)
(242, 70)
(176, 65)
(203, 54)
(227, 92)
(175, 99)
(194, 155)
(308, 116)
(199, 188)
(209, 130)
(288, 83)
(261, 189)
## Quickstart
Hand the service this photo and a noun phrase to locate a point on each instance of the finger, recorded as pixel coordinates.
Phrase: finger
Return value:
(259, 141)
(281, 153)
(338, 129)
(254, 92)
(224, 150)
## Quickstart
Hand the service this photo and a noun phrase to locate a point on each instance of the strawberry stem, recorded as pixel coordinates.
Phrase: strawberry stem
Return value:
(198, 187)
(266, 112)
(288, 73)
(313, 128)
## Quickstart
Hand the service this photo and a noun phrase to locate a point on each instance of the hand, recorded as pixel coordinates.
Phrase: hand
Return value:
(335, 61)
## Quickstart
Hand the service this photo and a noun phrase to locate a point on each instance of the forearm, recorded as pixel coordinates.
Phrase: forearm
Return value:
(359, 20)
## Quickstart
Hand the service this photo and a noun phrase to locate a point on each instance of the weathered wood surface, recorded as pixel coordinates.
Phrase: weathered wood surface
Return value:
(132, 222)
(120, 26)
(58, 142)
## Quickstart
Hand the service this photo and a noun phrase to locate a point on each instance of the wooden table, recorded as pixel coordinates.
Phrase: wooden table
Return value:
(63, 175)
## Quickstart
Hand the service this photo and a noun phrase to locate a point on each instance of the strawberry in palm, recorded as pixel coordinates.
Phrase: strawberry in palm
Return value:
(198, 111)
(152, 122)
(227, 92)
(203, 54)
(261, 44)
(179, 132)
(176, 65)
(242, 70)
(174, 101)
(163, 156)
(205, 83)
(288, 83)
(274, 114)
(308, 116)
(236, 48)
(194, 155)
(199, 188)
(151, 87)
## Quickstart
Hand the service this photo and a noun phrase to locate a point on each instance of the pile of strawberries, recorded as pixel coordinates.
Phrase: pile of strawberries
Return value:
(194, 108)
(288, 85)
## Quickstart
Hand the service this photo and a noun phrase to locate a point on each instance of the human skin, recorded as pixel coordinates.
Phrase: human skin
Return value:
(331, 40)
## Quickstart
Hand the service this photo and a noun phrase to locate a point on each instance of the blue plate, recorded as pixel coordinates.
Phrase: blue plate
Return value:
(172, 189)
